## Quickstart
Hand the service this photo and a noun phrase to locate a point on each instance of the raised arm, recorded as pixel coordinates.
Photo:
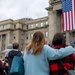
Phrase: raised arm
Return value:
(53, 54)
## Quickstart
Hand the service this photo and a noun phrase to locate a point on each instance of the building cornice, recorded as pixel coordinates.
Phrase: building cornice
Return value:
(12, 30)
(9, 21)
(37, 20)
(37, 28)
(49, 8)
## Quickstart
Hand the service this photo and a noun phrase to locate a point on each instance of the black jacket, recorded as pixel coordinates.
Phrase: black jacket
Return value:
(11, 55)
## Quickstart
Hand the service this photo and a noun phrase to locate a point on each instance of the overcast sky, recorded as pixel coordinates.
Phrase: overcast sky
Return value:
(16, 9)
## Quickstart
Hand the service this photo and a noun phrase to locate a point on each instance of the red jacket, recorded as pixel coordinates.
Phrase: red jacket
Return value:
(56, 67)
(1, 68)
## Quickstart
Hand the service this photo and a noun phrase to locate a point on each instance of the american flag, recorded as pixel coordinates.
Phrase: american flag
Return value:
(68, 15)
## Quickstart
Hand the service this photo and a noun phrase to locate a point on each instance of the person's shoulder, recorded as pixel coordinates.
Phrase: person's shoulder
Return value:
(10, 51)
(19, 53)
(46, 46)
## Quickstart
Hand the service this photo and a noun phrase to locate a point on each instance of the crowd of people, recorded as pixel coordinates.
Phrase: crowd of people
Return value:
(40, 58)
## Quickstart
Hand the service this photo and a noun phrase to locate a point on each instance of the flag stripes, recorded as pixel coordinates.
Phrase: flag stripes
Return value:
(68, 15)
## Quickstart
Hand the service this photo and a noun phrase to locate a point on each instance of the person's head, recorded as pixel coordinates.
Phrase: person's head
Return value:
(37, 42)
(15, 45)
(58, 39)
(9, 46)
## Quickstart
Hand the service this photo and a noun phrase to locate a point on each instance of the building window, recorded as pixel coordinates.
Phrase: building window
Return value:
(21, 47)
(46, 34)
(14, 36)
(4, 27)
(0, 27)
(54, 0)
(36, 25)
(14, 26)
(26, 26)
(31, 36)
(41, 24)
(32, 26)
(22, 26)
(46, 22)
(0, 37)
(26, 36)
(73, 34)
(22, 36)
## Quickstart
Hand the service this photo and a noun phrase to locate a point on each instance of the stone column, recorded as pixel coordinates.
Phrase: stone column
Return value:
(9, 37)
(67, 38)
(18, 36)
(0, 42)
(51, 25)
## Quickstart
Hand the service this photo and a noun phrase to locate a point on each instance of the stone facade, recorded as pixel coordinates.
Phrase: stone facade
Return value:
(21, 31)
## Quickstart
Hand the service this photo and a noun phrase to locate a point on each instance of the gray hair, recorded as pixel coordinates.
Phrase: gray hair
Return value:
(9, 46)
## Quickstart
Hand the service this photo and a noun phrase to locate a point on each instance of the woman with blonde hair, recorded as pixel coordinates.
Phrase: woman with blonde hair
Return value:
(37, 55)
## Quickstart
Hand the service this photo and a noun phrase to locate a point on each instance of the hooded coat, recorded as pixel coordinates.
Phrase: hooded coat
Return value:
(11, 55)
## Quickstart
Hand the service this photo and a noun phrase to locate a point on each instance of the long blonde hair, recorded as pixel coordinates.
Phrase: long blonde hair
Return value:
(37, 42)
